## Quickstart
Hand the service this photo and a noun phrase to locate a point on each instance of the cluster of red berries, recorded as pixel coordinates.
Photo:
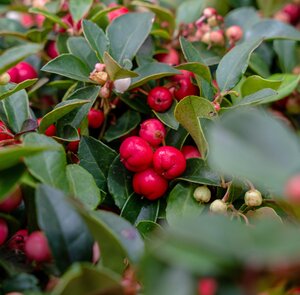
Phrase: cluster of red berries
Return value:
(160, 98)
(154, 165)
(21, 72)
(35, 245)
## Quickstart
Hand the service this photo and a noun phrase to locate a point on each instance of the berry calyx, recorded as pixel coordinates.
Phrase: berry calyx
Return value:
(3, 231)
(292, 189)
(36, 247)
(17, 241)
(116, 13)
(136, 154)
(218, 206)
(190, 151)
(202, 194)
(95, 118)
(253, 198)
(153, 131)
(12, 202)
(149, 184)
(234, 33)
(169, 162)
(185, 88)
(160, 99)
(171, 58)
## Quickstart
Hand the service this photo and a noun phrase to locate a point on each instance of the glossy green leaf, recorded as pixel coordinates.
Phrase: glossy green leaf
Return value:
(119, 182)
(176, 137)
(96, 158)
(181, 204)
(9, 179)
(234, 64)
(168, 117)
(196, 68)
(286, 51)
(146, 228)
(59, 111)
(137, 209)
(79, 8)
(86, 279)
(255, 83)
(8, 90)
(197, 171)
(248, 151)
(13, 55)
(188, 111)
(86, 191)
(70, 66)
(127, 33)
(49, 166)
(14, 155)
(152, 71)
(125, 123)
(189, 11)
(136, 102)
(16, 110)
(258, 65)
(79, 47)
(95, 37)
(68, 236)
(54, 18)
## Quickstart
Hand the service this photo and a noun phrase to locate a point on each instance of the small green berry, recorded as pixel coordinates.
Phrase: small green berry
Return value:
(202, 194)
(253, 198)
(4, 79)
(218, 206)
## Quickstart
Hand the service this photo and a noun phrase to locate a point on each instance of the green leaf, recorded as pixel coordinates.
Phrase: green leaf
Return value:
(68, 236)
(55, 19)
(119, 182)
(114, 70)
(190, 52)
(168, 117)
(12, 156)
(8, 90)
(272, 29)
(269, 7)
(96, 158)
(12, 56)
(146, 228)
(248, 151)
(96, 38)
(125, 123)
(127, 33)
(59, 111)
(255, 83)
(79, 47)
(181, 204)
(189, 11)
(177, 137)
(188, 111)
(197, 171)
(69, 66)
(196, 68)
(86, 279)
(258, 65)
(86, 191)
(234, 64)
(152, 71)
(16, 110)
(287, 54)
(137, 209)
(79, 8)
(49, 166)
(9, 179)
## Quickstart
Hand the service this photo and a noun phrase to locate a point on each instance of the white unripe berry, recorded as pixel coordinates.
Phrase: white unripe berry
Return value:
(121, 85)
(253, 198)
(218, 206)
(202, 194)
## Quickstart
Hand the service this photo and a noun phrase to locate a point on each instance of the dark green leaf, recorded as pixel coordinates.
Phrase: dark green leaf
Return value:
(177, 137)
(287, 54)
(13, 88)
(146, 228)
(79, 8)
(68, 236)
(168, 117)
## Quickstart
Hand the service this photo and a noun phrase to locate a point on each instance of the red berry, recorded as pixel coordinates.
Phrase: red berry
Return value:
(149, 184)
(25, 71)
(73, 146)
(234, 33)
(293, 10)
(95, 118)
(116, 13)
(207, 286)
(292, 189)
(160, 99)
(5, 133)
(50, 131)
(209, 12)
(184, 75)
(169, 162)
(171, 58)
(14, 75)
(190, 151)
(12, 202)
(136, 153)
(17, 241)
(36, 247)
(217, 38)
(3, 231)
(185, 88)
(153, 131)
(51, 49)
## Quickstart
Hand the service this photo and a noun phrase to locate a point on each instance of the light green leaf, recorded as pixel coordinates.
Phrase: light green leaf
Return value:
(79, 8)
